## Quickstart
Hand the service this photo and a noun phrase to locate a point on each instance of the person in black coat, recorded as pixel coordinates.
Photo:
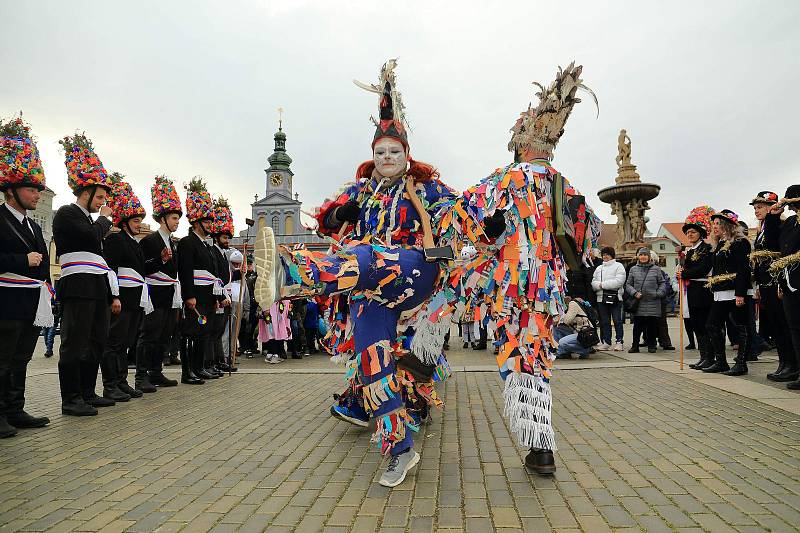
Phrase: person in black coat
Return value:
(196, 271)
(789, 275)
(697, 265)
(222, 232)
(731, 285)
(766, 250)
(22, 252)
(161, 271)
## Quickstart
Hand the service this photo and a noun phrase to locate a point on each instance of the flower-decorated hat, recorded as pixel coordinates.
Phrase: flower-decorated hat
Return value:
(765, 197)
(700, 219)
(123, 201)
(223, 219)
(165, 198)
(84, 168)
(392, 121)
(728, 215)
(198, 201)
(20, 165)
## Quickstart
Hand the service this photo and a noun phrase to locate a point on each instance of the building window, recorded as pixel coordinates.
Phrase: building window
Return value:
(289, 224)
(276, 225)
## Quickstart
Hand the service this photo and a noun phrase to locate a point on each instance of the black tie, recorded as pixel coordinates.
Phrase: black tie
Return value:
(27, 229)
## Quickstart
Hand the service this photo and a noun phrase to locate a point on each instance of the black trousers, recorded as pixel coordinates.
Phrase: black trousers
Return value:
(17, 342)
(155, 334)
(647, 325)
(791, 308)
(215, 353)
(84, 331)
(698, 316)
(121, 336)
(662, 328)
(721, 311)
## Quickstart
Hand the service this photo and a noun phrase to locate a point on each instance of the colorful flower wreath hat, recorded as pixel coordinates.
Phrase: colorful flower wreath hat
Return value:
(165, 198)
(223, 218)
(20, 165)
(700, 219)
(123, 202)
(84, 168)
(198, 201)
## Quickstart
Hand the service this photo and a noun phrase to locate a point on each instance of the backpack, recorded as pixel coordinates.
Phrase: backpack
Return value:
(591, 313)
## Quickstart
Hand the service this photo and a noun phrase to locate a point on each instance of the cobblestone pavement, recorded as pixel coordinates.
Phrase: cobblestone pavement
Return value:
(639, 449)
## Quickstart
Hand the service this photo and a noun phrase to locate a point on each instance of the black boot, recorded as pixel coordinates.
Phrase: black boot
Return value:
(706, 352)
(740, 363)
(716, 340)
(772, 375)
(15, 401)
(788, 374)
(89, 384)
(160, 380)
(130, 391)
(187, 376)
(115, 394)
(198, 357)
(69, 378)
(541, 462)
(6, 429)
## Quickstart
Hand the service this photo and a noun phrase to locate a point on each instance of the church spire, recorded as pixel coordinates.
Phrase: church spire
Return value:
(279, 160)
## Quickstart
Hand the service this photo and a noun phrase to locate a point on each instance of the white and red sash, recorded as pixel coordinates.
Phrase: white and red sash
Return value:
(128, 277)
(88, 263)
(159, 279)
(44, 313)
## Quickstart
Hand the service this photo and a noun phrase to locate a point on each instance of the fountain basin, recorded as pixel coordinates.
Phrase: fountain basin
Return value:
(630, 191)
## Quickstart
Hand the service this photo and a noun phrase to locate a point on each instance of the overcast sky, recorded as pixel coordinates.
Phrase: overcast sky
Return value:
(707, 90)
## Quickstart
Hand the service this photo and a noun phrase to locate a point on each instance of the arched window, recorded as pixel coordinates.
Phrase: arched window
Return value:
(289, 224)
(276, 224)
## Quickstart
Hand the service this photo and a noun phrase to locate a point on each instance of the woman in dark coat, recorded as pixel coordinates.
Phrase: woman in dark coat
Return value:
(646, 284)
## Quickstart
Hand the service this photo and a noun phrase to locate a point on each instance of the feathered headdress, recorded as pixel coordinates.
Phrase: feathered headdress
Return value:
(540, 128)
(20, 165)
(392, 121)
(84, 168)
(123, 201)
(165, 198)
(223, 219)
(700, 219)
(198, 201)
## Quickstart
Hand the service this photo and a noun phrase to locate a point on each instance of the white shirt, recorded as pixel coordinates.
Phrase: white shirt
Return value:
(165, 236)
(85, 211)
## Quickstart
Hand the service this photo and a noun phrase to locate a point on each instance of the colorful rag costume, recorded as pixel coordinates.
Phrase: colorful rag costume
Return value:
(377, 279)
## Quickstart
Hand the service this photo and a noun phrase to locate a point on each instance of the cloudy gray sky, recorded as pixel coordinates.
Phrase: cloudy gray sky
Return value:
(707, 90)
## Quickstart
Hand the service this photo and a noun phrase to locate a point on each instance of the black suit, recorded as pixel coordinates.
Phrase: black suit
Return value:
(85, 302)
(122, 250)
(18, 307)
(789, 242)
(159, 326)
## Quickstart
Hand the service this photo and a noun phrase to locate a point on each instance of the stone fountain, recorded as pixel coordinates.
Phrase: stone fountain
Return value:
(628, 199)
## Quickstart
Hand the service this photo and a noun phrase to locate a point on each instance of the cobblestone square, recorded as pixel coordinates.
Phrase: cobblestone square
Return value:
(641, 447)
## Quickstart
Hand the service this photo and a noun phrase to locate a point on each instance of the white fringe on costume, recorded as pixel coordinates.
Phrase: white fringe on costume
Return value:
(529, 404)
(428, 338)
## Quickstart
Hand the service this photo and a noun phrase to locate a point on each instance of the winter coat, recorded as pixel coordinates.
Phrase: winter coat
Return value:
(649, 280)
(575, 316)
(609, 276)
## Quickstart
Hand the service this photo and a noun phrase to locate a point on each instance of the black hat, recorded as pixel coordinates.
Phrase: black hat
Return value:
(765, 197)
(792, 195)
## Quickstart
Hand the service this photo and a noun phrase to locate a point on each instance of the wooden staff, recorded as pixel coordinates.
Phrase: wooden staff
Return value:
(680, 318)
(242, 286)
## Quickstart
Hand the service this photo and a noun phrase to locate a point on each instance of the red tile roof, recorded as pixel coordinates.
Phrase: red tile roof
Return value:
(675, 229)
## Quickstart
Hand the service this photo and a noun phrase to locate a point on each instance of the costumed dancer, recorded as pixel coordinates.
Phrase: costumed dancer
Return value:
(732, 287)
(766, 249)
(236, 260)
(787, 271)
(25, 292)
(522, 275)
(87, 286)
(200, 286)
(697, 265)
(161, 275)
(274, 331)
(124, 255)
(378, 279)
(222, 233)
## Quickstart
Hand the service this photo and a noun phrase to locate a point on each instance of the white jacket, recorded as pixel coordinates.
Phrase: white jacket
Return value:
(609, 276)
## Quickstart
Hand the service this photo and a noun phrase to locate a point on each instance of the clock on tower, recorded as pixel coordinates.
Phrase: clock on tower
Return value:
(276, 179)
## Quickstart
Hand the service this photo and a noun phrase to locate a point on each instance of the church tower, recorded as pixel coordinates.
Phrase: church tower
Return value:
(279, 173)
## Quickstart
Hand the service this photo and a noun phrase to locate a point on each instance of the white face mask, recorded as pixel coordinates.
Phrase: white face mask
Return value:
(390, 158)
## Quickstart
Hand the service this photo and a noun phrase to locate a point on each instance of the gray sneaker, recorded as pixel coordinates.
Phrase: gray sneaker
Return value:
(399, 465)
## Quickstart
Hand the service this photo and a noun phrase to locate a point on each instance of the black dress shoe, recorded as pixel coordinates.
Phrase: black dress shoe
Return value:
(653, 349)
(116, 395)
(160, 380)
(541, 462)
(668, 348)
(794, 385)
(78, 409)
(130, 391)
(98, 401)
(690, 347)
(23, 420)
(787, 374)
(6, 429)
(633, 349)
(716, 368)
(191, 379)
(466, 345)
(202, 374)
(739, 369)
(697, 364)
(479, 346)
(705, 364)
(144, 385)
(779, 370)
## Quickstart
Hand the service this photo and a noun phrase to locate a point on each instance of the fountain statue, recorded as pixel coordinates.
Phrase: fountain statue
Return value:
(628, 200)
